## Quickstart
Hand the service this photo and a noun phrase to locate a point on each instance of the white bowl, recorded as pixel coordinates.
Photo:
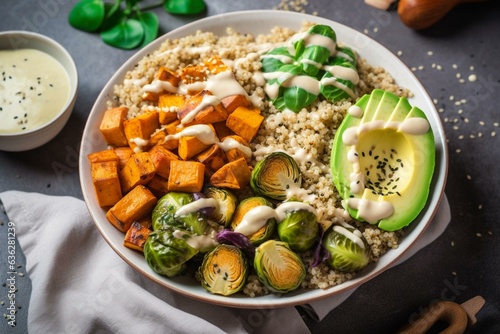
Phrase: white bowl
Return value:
(22, 141)
(256, 22)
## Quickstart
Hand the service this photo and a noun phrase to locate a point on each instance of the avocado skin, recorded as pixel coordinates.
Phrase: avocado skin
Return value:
(418, 149)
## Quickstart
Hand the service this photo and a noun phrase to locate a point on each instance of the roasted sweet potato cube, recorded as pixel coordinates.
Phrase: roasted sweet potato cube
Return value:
(202, 108)
(189, 146)
(161, 158)
(123, 153)
(245, 122)
(171, 129)
(112, 128)
(193, 73)
(146, 221)
(164, 74)
(138, 203)
(140, 128)
(158, 186)
(186, 176)
(232, 102)
(106, 182)
(169, 105)
(215, 65)
(139, 169)
(150, 96)
(102, 156)
(136, 236)
(213, 158)
(236, 148)
(222, 130)
(234, 175)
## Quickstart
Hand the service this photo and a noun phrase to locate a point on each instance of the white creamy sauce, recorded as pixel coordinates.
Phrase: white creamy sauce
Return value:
(354, 236)
(282, 58)
(355, 111)
(334, 82)
(31, 94)
(285, 207)
(230, 143)
(207, 136)
(207, 101)
(411, 126)
(345, 56)
(305, 82)
(197, 206)
(257, 217)
(342, 72)
(315, 39)
(221, 85)
(140, 142)
(371, 211)
(199, 242)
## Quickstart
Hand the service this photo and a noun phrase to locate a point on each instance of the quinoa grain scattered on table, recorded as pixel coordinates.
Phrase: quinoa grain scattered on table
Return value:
(311, 130)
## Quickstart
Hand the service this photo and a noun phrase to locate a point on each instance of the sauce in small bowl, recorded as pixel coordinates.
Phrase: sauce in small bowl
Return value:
(38, 87)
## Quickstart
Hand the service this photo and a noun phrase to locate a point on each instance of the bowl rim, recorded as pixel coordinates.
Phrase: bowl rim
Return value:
(291, 299)
(72, 72)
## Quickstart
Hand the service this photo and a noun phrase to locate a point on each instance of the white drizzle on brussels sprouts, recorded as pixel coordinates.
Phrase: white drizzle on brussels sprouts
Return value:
(348, 232)
(197, 206)
(257, 217)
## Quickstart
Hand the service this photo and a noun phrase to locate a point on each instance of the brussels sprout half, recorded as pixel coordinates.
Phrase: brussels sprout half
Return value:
(278, 267)
(347, 247)
(166, 254)
(299, 229)
(224, 270)
(227, 204)
(274, 175)
(164, 215)
(257, 227)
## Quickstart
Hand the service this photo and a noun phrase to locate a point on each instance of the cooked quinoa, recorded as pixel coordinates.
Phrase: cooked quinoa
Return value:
(311, 130)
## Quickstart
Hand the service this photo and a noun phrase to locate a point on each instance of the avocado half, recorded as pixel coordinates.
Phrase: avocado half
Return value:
(382, 160)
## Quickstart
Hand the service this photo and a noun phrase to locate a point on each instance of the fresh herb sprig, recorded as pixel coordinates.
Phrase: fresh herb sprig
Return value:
(123, 23)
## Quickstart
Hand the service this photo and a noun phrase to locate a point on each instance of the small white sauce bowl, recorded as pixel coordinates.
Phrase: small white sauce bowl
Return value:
(27, 140)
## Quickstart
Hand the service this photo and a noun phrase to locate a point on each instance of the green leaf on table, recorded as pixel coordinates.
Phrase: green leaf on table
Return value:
(114, 15)
(184, 7)
(126, 35)
(87, 15)
(150, 23)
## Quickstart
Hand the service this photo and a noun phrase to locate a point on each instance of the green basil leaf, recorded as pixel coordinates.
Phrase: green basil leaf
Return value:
(297, 98)
(150, 23)
(126, 35)
(87, 15)
(111, 9)
(114, 16)
(184, 7)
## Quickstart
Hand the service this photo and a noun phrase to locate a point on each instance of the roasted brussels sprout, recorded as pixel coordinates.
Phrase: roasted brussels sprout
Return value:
(278, 267)
(165, 214)
(166, 253)
(224, 270)
(255, 218)
(227, 204)
(274, 175)
(300, 228)
(347, 247)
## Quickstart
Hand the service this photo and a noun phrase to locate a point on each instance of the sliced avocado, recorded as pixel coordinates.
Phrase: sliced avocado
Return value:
(382, 160)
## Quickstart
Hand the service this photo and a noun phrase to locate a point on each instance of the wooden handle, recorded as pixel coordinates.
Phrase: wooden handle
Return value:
(450, 312)
(421, 14)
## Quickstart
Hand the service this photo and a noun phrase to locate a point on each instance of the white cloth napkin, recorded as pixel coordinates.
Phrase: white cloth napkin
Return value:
(79, 285)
